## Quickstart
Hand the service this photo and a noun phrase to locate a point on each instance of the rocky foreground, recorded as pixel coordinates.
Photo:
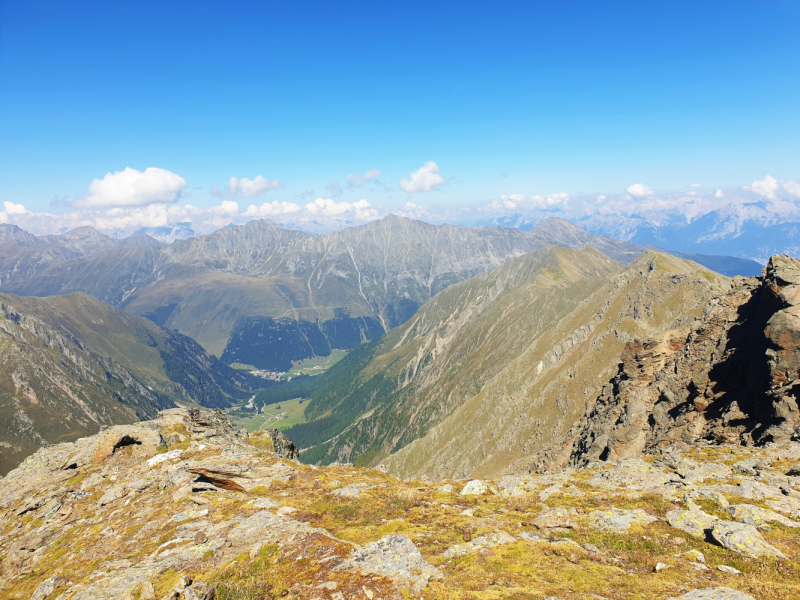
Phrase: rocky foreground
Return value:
(186, 507)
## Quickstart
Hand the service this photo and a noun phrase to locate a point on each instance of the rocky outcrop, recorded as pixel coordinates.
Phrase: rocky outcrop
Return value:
(731, 376)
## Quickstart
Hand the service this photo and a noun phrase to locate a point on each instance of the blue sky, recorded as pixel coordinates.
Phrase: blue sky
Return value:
(532, 98)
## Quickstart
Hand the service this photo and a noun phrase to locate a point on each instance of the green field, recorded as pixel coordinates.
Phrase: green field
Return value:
(318, 364)
(292, 408)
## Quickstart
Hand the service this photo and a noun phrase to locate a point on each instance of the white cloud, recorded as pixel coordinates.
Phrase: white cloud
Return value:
(14, 209)
(601, 197)
(719, 194)
(133, 188)
(424, 179)
(639, 190)
(357, 180)
(792, 187)
(246, 188)
(523, 202)
(696, 185)
(413, 211)
(272, 209)
(361, 210)
(764, 187)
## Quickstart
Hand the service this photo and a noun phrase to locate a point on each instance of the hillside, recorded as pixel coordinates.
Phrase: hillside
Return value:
(263, 295)
(184, 507)
(512, 375)
(70, 365)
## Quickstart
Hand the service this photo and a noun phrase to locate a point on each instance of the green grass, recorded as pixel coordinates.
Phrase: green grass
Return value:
(242, 367)
(293, 409)
(316, 365)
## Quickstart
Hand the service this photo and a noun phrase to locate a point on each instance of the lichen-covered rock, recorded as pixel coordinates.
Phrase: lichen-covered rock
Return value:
(714, 593)
(395, 556)
(617, 520)
(351, 490)
(744, 539)
(489, 540)
(694, 522)
(555, 520)
(755, 515)
(631, 474)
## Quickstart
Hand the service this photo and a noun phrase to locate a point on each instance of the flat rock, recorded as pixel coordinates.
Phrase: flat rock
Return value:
(632, 474)
(393, 556)
(755, 515)
(352, 490)
(714, 593)
(694, 522)
(744, 539)
(554, 518)
(618, 520)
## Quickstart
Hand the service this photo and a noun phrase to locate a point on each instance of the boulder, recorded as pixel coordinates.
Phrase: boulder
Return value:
(617, 520)
(744, 539)
(554, 520)
(694, 522)
(393, 556)
(474, 488)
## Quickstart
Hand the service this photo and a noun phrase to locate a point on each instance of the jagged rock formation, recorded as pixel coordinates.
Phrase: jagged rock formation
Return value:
(185, 507)
(70, 365)
(731, 376)
(265, 295)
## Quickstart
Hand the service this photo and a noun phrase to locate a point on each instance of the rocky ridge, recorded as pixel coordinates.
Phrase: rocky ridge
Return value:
(185, 507)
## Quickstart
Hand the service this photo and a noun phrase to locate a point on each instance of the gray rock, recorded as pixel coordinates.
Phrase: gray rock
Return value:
(352, 490)
(393, 556)
(485, 541)
(694, 522)
(750, 466)
(200, 591)
(617, 520)
(729, 570)
(446, 489)
(714, 593)
(755, 515)
(744, 539)
(632, 474)
(554, 519)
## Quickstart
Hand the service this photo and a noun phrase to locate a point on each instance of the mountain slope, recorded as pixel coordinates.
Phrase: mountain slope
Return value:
(495, 368)
(263, 281)
(71, 364)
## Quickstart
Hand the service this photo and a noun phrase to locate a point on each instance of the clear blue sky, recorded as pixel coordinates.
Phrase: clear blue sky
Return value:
(506, 97)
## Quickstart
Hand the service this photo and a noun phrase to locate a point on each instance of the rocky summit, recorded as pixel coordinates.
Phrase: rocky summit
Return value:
(186, 507)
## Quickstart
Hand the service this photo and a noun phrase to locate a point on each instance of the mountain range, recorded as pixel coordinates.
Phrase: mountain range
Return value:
(267, 296)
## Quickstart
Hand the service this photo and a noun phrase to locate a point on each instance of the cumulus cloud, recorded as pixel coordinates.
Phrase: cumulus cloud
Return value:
(764, 187)
(601, 197)
(357, 180)
(133, 188)
(246, 188)
(639, 190)
(361, 210)
(272, 209)
(792, 187)
(719, 194)
(424, 179)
